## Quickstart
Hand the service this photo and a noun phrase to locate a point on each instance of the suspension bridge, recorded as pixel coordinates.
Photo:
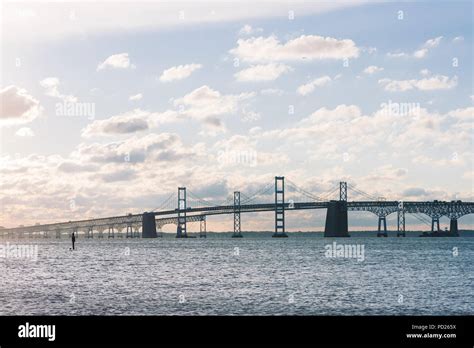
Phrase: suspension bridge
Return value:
(183, 207)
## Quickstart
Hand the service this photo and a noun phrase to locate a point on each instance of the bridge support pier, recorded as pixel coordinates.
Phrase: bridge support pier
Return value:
(90, 233)
(336, 220)
(382, 220)
(401, 220)
(111, 232)
(202, 227)
(129, 232)
(435, 221)
(453, 227)
(148, 225)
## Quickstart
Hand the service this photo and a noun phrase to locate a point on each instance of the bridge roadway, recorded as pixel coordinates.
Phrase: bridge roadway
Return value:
(436, 209)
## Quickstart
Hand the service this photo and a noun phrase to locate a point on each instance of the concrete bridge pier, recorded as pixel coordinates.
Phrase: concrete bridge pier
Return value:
(453, 226)
(149, 226)
(336, 220)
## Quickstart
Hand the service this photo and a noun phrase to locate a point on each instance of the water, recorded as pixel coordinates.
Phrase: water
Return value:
(253, 275)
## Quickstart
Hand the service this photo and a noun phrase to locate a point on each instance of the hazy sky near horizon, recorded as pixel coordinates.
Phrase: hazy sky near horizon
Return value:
(107, 107)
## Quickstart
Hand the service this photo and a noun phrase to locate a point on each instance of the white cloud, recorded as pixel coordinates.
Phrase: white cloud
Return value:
(49, 21)
(208, 106)
(458, 39)
(310, 47)
(425, 72)
(309, 87)
(396, 54)
(116, 61)
(17, 106)
(421, 52)
(249, 30)
(25, 132)
(179, 72)
(130, 122)
(432, 43)
(372, 69)
(426, 84)
(136, 97)
(464, 114)
(267, 72)
(51, 85)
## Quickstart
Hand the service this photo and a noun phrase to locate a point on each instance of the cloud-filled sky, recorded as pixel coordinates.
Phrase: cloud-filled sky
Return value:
(107, 107)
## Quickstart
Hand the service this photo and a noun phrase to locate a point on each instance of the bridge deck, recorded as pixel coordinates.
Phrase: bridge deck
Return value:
(454, 209)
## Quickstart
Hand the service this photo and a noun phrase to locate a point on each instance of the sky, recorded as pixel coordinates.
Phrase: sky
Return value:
(107, 107)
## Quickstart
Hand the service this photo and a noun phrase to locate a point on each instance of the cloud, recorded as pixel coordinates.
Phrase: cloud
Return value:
(17, 106)
(206, 105)
(135, 97)
(162, 147)
(122, 175)
(25, 132)
(309, 87)
(179, 72)
(458, 39)
(248, 30)
(425, 72)
(396, 54)
(267, 72)
(50, 22)
(51, 84)
(432, 43)
(73, 167)
(116, 61)
(415, 192)
(435, 82)
(372, 69)
(466, 114)
(421, 52)
(130, 122)
(310, 47)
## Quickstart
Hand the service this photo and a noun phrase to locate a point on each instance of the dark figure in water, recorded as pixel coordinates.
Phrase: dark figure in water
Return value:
(73, 238)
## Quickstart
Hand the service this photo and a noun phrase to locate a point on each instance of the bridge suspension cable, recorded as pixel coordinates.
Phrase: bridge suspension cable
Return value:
(422, 218)
(304, 192)
(166, 203)
(364, 194)
(251, 198)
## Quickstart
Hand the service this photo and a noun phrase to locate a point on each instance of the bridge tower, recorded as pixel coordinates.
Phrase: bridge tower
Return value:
(336, 216)
(181, 226)
(401, 220)
(280, 207)
(237, 230)
(343, 191)
(202, 227)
